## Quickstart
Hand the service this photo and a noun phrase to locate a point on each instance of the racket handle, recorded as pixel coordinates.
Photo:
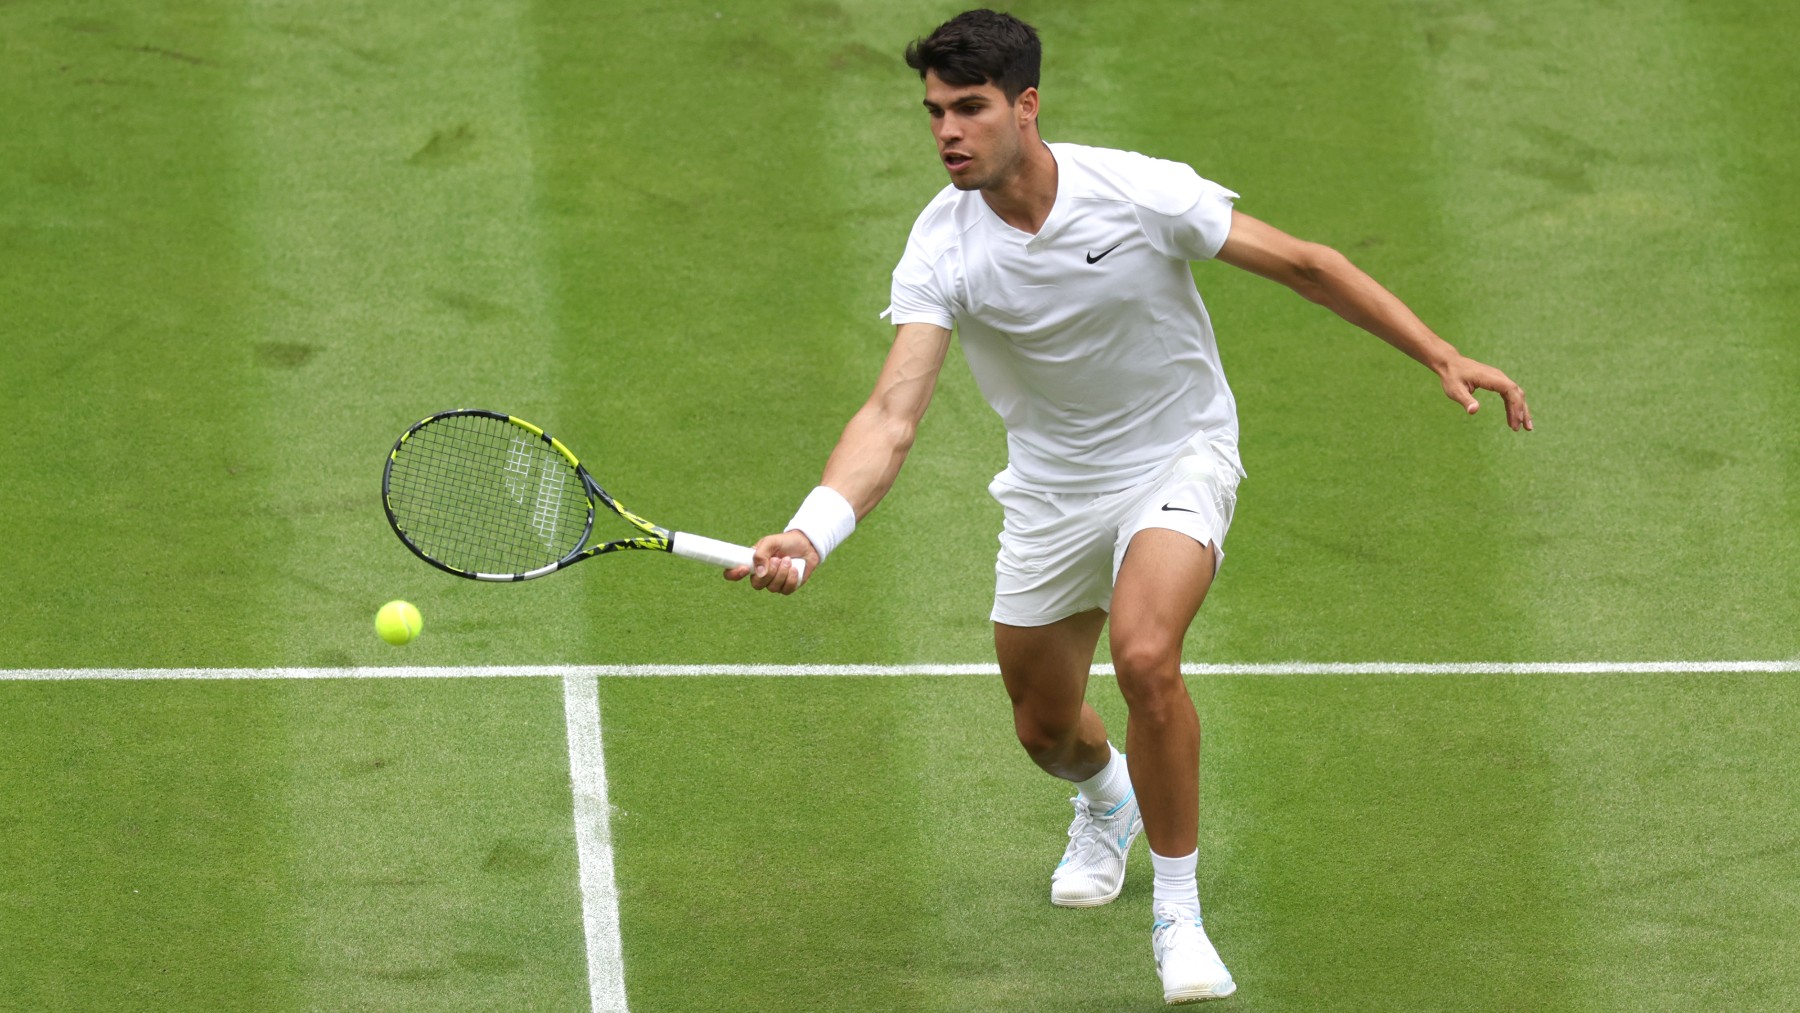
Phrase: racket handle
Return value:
(720, 554)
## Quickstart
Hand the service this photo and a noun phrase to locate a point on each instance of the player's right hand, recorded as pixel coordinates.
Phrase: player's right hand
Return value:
(773, 569)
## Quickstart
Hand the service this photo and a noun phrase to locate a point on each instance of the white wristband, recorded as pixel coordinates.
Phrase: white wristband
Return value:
(826, 518)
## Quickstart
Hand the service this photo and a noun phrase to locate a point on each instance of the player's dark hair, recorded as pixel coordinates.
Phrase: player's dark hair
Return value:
(980, 47)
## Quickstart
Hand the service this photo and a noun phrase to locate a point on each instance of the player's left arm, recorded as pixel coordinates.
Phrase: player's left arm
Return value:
(1327, 277)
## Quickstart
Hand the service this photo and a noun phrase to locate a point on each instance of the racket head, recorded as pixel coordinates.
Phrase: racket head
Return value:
(487, 496)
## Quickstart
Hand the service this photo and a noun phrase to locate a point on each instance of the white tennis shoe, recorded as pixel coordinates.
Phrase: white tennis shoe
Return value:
(1092, 870)
(1190, 968)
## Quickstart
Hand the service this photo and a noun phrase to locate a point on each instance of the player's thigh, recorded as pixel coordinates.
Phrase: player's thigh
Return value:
(1045, 668)
(1169, 550)
(1162, 582)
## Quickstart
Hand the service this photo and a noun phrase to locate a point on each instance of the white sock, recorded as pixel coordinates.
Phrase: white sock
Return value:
(1109, 787)
(1175, 882)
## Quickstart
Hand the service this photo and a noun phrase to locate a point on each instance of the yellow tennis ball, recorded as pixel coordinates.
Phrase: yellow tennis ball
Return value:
(398, 622)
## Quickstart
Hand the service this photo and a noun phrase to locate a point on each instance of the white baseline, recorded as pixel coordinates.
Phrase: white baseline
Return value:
(1285, 668)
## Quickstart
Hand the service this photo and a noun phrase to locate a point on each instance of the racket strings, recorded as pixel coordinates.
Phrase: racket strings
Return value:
(482, 495)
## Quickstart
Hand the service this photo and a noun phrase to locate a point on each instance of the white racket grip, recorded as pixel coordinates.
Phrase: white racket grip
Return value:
(721, 554)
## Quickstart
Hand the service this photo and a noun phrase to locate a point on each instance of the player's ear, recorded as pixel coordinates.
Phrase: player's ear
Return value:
(1026, 107)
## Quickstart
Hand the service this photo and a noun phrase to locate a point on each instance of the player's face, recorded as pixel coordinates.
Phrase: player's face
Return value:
(980, 135)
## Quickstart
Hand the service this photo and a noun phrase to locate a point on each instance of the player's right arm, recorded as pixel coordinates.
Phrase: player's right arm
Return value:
(868, 456)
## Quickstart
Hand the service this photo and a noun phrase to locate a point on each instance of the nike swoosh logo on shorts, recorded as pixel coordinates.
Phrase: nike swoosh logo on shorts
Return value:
(1185, 510)
(1094, 258)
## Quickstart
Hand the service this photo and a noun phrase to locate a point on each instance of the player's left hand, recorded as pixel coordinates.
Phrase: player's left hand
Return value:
(1464, 376)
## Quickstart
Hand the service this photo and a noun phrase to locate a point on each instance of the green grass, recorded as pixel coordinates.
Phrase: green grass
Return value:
(241, 247)
(322, 845)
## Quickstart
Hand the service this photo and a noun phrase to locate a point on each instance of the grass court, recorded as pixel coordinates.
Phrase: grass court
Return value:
(243, 245)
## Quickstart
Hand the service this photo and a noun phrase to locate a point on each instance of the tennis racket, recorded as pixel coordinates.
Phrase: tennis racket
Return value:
(492, 497)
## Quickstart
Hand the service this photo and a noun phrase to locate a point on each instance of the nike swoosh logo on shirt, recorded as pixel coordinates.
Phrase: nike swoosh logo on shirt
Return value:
(1094, 258)
(1185, 510)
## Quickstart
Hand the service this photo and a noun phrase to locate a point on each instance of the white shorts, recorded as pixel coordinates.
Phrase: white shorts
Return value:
(1060, 552)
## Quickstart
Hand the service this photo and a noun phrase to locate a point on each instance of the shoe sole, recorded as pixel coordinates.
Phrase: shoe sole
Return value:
(1089, 901)
(1197, 995)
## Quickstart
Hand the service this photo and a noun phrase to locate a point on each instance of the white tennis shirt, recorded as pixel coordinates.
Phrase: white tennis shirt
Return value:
(1089, 338)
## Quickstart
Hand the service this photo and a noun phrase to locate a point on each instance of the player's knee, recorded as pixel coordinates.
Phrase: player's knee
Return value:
(1147, 660)
(1045, 737)
(1156, 699)
(1150, 677)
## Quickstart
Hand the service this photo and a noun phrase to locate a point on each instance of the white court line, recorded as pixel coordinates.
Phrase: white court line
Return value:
(663, 671)
(593, 845)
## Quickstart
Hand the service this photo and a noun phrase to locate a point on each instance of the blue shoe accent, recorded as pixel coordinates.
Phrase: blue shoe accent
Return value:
(1122, 804)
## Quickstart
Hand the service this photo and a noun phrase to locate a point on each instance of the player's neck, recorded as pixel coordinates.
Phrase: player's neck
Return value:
(1025, 199)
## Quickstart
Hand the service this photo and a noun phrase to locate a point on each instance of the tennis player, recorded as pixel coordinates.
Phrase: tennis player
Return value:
(1066, 269)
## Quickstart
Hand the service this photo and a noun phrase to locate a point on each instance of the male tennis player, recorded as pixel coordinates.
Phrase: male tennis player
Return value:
(1066, 269)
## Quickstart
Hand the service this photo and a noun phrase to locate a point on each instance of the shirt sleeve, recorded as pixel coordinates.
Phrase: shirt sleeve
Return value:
(920, 294)
(1195, 233)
